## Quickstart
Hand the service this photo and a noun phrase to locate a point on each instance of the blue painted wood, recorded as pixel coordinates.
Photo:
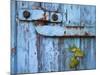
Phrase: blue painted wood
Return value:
(32, 37)
(87, 16)
(50, 6)
(35, 14)
(22, 48)
(13, 38)
(27, 51)
(39, 53)
(63, 31)
(64, 53)
(71, 15)
(48, 56)
(22, 5)
(89, 47)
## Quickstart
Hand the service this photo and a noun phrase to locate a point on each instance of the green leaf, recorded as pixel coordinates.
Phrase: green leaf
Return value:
(73, 48)
(73, 62)
(79, 53)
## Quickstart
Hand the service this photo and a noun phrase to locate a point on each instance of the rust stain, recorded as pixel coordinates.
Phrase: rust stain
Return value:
(43, 20)
(74, 27)
(38, 7)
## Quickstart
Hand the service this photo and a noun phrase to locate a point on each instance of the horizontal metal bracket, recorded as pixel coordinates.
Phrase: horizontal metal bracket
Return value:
(63, 31)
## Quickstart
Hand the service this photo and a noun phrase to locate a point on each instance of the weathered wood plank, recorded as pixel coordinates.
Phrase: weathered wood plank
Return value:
(22, 48)
(47, 53)
(93, 54)
(88, 15)
(22, 5)
(70, 42)
(33, 62)
(47, 56)
(73, 14)
(89, 47)
(64, 53)
(13, 38)
(55, 55)
(50, 6)
(22, 41)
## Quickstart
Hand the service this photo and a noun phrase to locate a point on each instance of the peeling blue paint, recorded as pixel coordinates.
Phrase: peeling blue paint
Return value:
(63, 31)
(35, 53)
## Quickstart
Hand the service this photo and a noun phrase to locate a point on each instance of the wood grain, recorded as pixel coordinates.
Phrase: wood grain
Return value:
(35, 53)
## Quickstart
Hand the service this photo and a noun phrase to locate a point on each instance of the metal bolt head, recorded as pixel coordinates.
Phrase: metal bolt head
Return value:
(54, 17)
(26, 14)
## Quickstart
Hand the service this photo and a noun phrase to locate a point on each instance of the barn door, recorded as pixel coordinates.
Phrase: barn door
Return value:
(43, 32)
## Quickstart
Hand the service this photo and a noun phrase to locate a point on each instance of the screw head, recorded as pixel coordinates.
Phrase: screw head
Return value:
(26, 14)
(54, 17)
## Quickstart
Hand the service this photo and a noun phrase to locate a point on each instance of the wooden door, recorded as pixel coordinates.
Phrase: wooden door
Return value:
(41, 45)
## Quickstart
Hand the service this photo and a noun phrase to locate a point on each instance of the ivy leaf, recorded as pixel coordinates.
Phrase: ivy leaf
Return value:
(73, 48)
(79, 53)
(73, 62)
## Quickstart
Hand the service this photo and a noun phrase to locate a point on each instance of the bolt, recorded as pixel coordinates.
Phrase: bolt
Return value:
(26, 14)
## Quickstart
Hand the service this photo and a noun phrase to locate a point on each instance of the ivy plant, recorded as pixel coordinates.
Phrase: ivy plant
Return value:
(77, 53)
